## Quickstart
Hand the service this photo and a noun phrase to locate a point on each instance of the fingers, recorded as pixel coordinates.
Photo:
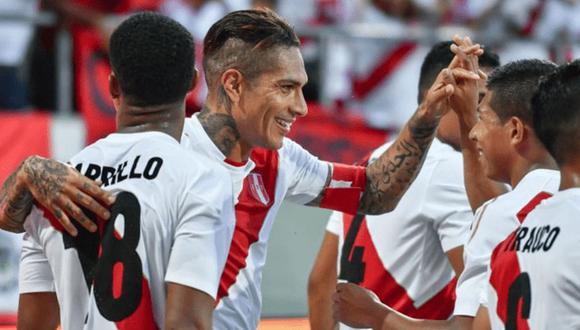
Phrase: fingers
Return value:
(463, 74)
(84, 200)
(92, 189)
(482, 75)
(73, 211)
(64, 220)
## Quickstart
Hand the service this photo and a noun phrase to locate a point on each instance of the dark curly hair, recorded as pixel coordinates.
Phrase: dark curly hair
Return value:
(153, 59)
(556, 112)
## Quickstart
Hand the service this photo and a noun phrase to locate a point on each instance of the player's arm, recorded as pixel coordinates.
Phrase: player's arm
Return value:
(455, 257)
(202, 238)
(38, 311)
(188, 308)
(464, 102)
(38, 307)
(58, 187)
(359, 307)
(384, 181)
(322, 283)
(481, 321)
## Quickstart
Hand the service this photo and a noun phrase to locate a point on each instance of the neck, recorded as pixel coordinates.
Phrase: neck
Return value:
(570, 174)
(524, 166)
(167, 118)
(220, 126)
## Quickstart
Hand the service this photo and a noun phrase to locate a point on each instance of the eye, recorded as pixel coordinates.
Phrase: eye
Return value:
(286, 89)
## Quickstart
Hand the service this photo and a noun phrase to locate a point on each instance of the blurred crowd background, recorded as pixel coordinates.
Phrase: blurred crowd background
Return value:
(362, 56)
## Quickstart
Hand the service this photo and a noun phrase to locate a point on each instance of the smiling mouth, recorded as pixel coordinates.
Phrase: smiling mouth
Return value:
(284, 124)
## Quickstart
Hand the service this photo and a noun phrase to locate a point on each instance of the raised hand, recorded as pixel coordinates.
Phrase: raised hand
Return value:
(466, 91)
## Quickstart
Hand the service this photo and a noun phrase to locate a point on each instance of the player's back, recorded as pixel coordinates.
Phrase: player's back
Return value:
(171, 222)
(543, 260)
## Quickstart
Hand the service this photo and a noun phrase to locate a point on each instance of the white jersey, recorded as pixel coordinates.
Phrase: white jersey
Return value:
(400, 255)
(494, 220)
(535, 273)
(269, 177)
(171, 222)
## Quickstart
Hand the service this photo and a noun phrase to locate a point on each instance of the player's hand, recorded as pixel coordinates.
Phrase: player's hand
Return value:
(465, 98)
(358, 307)
(437, 99)
(62, 190)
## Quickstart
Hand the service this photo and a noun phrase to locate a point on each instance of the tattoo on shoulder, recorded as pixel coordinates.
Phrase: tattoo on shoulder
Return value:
(221, 129)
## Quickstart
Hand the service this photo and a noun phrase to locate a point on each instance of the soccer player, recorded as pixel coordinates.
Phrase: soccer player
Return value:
(510, 152)
(425, 231)
(534, 281)
(156, 262)
(255, 76)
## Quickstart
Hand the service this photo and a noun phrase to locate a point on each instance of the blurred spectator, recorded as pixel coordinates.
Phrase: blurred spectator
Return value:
(91, 23)
(15, 39)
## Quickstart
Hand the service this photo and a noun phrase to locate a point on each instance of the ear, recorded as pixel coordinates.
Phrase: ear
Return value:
(115, 90)
(231, 80)
(517, 130)
(194, 79)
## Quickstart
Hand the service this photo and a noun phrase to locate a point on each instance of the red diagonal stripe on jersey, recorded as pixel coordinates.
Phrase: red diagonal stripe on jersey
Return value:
(250, 216)
(523, 213)
(390, 62)
(381, 282)
(505, 267)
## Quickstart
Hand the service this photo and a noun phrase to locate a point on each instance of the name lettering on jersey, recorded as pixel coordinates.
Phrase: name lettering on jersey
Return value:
(533, 239)
(135, 169)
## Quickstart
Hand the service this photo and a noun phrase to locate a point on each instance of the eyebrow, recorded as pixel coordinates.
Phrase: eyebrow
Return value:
(291, 82)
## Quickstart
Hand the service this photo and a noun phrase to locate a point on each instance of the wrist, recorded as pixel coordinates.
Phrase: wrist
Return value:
(378, 315)
(426, 115)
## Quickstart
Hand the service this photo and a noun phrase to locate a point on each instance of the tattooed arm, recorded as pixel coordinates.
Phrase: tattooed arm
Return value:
(59, 188)
(393, 172)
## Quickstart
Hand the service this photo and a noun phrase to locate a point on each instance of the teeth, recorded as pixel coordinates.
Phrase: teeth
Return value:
(284, 123)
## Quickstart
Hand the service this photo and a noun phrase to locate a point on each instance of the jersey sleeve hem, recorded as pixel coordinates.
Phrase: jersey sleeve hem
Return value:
(200, 285)
(35, 286)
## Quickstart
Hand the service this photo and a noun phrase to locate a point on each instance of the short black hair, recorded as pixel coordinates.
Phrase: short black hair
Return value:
(239, 40)
(513, 86)
(556, 112)
(153, 58)
(439, 58)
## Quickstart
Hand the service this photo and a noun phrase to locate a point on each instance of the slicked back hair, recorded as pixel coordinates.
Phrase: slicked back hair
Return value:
(243, 40)
(556, 112)
(439, 58)
(513, 86)
(153, 59)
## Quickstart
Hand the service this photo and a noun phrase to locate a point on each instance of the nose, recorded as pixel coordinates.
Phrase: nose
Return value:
(300, 108)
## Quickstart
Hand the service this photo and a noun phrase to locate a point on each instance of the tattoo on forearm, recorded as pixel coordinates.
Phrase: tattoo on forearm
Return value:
(15, 204)
(221, 129)
(390, 175)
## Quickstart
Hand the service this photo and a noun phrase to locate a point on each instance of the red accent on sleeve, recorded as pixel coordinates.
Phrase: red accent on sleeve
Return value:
(345, 199)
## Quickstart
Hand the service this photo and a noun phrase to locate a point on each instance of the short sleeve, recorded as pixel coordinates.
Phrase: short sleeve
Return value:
(306, 173)
(485, 292)
(203, 235)
(35, 274)
(334, 225)
(448, 206)
(470, 287)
